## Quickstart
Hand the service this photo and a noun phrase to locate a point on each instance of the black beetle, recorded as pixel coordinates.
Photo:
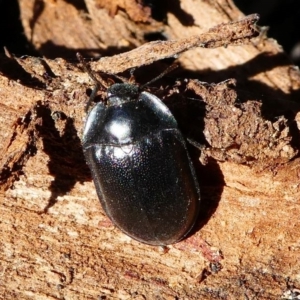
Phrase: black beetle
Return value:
(141, 169)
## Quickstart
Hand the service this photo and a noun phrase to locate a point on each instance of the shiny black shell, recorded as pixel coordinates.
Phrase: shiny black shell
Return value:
(142, 172)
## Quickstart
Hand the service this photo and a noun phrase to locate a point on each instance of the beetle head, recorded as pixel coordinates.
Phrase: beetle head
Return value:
(120, 93)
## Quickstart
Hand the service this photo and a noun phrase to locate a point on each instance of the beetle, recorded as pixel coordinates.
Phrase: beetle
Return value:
(140, 166)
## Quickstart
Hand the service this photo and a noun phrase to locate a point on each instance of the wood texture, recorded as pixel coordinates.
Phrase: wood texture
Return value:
(239, 102)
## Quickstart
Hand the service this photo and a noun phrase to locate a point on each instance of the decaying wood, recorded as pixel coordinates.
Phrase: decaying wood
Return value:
(239, 104)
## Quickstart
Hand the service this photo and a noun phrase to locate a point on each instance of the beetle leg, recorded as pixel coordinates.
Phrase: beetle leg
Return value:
(92, 96)
(196, 144)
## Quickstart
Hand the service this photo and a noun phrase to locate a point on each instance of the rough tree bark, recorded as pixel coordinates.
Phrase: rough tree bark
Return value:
(235, 93)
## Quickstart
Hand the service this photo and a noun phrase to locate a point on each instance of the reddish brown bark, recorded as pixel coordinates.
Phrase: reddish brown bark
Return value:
(56, 241)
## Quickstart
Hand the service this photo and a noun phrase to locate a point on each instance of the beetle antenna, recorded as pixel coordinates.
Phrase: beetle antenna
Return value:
(132, 78)
(91, 73)
(98, 83)
(166, 71)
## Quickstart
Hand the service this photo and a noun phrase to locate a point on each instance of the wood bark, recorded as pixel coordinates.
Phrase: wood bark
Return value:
(235, 94)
